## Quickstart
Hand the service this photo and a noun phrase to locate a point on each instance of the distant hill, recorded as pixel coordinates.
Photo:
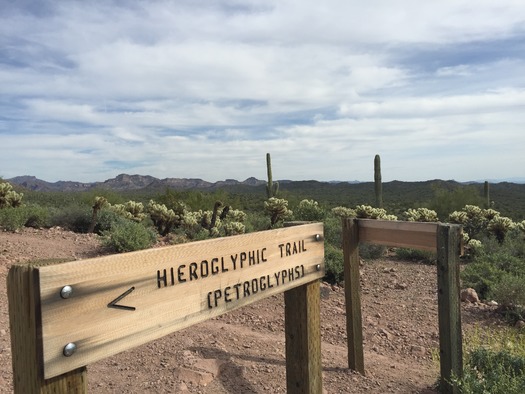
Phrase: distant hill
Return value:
(125, 182)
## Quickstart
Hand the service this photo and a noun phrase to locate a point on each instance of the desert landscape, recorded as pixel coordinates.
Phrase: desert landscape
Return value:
(244, 351)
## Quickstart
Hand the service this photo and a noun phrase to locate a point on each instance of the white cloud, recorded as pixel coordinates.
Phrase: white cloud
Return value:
(205, 89)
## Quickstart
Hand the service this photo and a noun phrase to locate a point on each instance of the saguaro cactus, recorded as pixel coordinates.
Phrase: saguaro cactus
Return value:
(377, 182)
(486, 194)
(271, 188)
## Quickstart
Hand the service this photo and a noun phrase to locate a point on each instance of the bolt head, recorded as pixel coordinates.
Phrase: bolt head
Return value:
(66, 292)
(69, 349)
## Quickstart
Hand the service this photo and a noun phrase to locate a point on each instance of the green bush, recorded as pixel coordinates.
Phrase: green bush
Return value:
(492, 372)
(481, 276)
(422, 256)
(371, 251)
(73, 217)
(127, 236)
(496, 270)
(334, 260)
(106, 220)
(12, 219)
(36, 216)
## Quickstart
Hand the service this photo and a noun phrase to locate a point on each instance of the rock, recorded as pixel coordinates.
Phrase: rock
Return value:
(386, 333)
(418, 351)
(492, 303)
(520, 324)
(193, 377)
(469, 295)
(401, 286)
(325, 292)
(210, 365)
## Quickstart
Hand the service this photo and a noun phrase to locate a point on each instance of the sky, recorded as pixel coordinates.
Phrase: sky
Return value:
(204, 89)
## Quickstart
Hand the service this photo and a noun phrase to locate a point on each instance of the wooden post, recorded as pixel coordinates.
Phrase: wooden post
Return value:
(24, 317)
(303, 339)
(302, 327)
(354, 326)
(449, 308)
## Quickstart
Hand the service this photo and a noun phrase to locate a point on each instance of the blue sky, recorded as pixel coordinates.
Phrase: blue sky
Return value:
(204, 89)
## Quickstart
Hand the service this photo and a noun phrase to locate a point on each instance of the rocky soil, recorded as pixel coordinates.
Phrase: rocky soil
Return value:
(244, 351)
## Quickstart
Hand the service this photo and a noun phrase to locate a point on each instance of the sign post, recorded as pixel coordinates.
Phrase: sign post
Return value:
(82, 311)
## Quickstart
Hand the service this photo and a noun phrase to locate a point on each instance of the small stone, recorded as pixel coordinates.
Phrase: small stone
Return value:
(492, 303)
(469, 295)
(386, 333)
(520, 324)
(401, 286)
(418, 351)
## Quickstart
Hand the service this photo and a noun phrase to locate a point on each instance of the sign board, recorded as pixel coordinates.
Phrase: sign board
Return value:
(92, 309)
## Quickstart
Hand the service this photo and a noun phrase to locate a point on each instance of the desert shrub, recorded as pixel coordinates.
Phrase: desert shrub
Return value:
(492, 372)
(509, 291)
(371, 251)
(127, 236)
(73, 217)
(107, 219)
(12, 219)
(334, 260)
(257, 221)
(481, 276)
(333, 231)
(421, 256)
(36, 216)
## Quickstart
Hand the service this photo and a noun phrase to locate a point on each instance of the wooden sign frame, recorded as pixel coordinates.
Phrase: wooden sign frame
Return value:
(66, 316)
(446, 241)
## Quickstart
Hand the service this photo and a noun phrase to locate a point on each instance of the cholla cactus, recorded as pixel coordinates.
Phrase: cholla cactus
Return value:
(490, 214)
(8, 197)
(309, 210)
(235, 215)
(278, 210)
(458, 217)
(136, 209)
(344, 212)
(99, 203)
(473, 218)
(499, 226)
(368, 212)
(421, 215)
(234, 228)
(131, 210)
(163, 218)
(521, 226)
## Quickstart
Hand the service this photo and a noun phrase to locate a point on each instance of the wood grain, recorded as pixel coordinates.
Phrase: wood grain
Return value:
(164, 306)
(416, 235)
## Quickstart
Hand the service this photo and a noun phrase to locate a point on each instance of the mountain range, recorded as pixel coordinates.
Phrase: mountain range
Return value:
(124, 182)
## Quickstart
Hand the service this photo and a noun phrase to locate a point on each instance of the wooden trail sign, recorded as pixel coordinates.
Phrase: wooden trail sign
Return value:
(94, 308)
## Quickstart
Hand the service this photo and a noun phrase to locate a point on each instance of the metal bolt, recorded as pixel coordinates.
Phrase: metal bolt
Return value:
(318, 267)
(317, 237)
(69, 349)
(66, 291)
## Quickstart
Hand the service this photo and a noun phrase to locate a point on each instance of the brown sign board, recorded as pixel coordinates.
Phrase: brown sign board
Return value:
(94, 308)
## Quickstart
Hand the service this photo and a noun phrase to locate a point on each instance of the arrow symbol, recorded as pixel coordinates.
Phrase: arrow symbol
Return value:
(113, 304)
